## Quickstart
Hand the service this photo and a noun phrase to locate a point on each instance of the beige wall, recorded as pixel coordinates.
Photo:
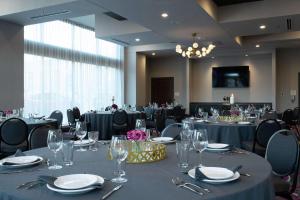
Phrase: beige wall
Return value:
(260, 89)
(11, 65)
(172, 66)
(288, 67)
(141, 79)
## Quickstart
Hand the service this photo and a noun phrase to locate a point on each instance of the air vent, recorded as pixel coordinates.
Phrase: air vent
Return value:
(289, 24)
(63, 12)
(115, 16)
(120, 42)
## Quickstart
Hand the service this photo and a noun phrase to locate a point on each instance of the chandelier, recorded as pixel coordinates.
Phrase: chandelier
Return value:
(194, 51)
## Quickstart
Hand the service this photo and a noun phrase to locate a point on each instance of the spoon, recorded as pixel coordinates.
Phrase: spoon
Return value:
(176, 182)
(187, 183)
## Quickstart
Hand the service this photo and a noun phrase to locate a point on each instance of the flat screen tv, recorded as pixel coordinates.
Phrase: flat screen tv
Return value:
(230, 77)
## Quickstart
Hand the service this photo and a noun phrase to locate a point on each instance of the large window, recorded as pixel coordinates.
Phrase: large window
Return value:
(66, 66)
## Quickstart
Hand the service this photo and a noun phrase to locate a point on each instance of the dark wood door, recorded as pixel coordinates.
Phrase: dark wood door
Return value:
(162, 90)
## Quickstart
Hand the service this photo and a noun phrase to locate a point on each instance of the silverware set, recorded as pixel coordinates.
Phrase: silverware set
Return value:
(190, 186)
(30, 184)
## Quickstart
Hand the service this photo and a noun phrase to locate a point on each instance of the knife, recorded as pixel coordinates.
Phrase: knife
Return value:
(112, 191)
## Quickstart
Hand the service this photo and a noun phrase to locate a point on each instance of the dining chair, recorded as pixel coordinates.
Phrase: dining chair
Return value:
(283, 155)
(264, 132)
(13, 136)
(71, 118)
(120, 121)
(172, 130)
(58, 116)
(38, 136)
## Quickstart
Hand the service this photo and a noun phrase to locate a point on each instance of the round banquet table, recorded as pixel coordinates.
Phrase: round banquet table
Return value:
(147, 181)
(229, 133)
(102, 122)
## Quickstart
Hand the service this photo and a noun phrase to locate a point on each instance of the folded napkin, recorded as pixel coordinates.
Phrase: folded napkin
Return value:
(50, 181)
(200, 176)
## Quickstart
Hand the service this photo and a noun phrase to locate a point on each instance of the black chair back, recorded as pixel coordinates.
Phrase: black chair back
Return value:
(76, 113)
(270, 115)
(283, 153)
(296, 114)
(38, 136)
(264, 132)
(71, 118)
(120, 118)
(172, 130)
(288, 116)
(58, 116)
(13, 131)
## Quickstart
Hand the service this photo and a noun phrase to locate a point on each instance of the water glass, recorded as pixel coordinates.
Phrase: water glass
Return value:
(182, 149)
(200, 141)
(140, 124)
(205, 115)
(93, 136)
(55, 141)
(81, 132)
(119, 151)
(68, 151)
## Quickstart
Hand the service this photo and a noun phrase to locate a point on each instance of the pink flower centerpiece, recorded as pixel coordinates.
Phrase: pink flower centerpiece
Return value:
(136, 135)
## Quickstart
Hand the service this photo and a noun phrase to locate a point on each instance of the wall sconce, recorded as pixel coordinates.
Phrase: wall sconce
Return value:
(293, 94)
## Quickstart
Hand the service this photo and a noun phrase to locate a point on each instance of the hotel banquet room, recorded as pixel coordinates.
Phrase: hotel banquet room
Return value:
(149, 99)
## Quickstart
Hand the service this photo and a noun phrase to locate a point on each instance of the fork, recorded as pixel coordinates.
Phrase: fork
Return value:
(194, 185)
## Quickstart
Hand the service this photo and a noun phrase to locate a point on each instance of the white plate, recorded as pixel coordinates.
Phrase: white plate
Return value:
(199, 120)
(21, 161)
(78, 191)
(217, 150)
(236, 176)
(75, 181)
(217, 145)
(243, 123)
(163, 140)
(84, 143)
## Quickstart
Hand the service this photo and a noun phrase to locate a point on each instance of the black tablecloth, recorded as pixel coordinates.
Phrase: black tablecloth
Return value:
(151, 181)
(102, 122)
(233, 134)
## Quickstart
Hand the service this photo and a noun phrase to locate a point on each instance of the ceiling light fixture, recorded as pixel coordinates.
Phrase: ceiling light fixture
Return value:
(194, 51)
(246, 55)
(262, 27)
(137, 39)
(164, 15)
(212, 57)
(257, 46)
(153, 54)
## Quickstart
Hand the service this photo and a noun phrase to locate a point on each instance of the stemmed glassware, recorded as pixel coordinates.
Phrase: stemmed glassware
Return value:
(200, 141)
(119, 151)
(55, 142)
(81, 132)
(140, 124)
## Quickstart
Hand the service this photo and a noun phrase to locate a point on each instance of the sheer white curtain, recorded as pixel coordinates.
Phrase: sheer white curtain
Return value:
(66, 66)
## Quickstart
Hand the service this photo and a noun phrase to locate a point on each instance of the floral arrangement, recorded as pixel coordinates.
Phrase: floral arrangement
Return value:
(136, 135)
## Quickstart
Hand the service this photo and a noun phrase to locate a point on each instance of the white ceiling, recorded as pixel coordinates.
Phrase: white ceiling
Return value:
(219, 25)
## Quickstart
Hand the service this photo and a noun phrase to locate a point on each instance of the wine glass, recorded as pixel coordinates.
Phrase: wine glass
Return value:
(200, 141)
(55, 142)
(81, 132)
(140, 124)
(119, 151)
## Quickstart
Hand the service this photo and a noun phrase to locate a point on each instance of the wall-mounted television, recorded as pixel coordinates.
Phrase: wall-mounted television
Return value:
(230, 77)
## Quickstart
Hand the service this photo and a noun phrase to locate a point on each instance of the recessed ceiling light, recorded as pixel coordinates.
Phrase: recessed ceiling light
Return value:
(213, 57)
(153, 54)
(164, 15)
(246, 55)
(262, 26)
(137, 39)
(257, 46)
